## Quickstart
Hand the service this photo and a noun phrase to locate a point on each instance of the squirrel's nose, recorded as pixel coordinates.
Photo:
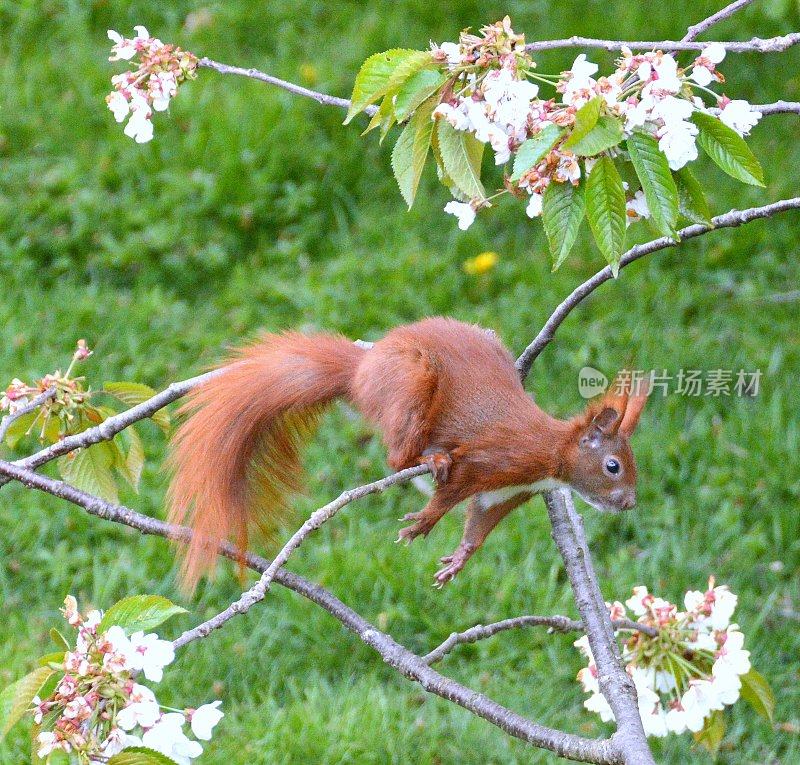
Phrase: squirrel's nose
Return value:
(625, 499)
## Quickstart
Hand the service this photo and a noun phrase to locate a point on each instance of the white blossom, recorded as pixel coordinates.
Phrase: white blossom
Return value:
(167, 737)
(204, 719)
(740, 116)
(534, 208)
(463, 211)
(150, 654)
(140, 126)
(637, 208)
(456, 116)
(143, 709)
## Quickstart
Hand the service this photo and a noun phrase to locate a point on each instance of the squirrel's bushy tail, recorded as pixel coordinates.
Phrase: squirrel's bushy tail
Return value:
(236, 458)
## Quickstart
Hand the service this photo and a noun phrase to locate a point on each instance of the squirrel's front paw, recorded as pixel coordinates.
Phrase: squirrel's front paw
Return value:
(438, 462)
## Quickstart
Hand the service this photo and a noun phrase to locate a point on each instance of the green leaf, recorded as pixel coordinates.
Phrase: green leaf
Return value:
(18, 429)
(383, 118)
(133, 393)
(605, 210)
(444, 178)
(139, 613)
(372, 80)
(140, 755)
(135, 459)
(89, 469)
(408, 67)
(461, 155)
(711, 734)
(534, 149)
(16, 699)
(585, 119)
(756, 691)
(659, 188)
(692, 202)
(59, 639)
(57, 657)
(605, 134)
(416, 89)
(728, 149)
(562, 212)
(411, 150)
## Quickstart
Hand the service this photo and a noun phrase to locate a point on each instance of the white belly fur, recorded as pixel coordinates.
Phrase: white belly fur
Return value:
(487, 499)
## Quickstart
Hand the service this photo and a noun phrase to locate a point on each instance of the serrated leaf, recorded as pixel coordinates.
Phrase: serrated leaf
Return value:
(711, 734)
(18, 429)
(756, 691)
(692, 202)
(444, 178)
(605, 210)
(660, 191)
(59, 639)
(57, 657)
(604, 135)
(408, 67)
(139, 613)
(372, 80)
(383, 118)
(89, 469)
(411, 151)
(416, 89)
(133, 393)
(562, 212)
(585, 119)
(16, 699)
(728, 149)
(140, 755)
(461, 155)
(534, 149)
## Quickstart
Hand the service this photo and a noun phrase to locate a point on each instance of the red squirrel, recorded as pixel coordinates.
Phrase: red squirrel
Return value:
(442, 392)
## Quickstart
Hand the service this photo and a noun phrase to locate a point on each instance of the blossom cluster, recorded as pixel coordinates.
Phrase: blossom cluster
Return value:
(69, 396)
(689, 669)
(495, 99)
(160, 69)
(97, 708)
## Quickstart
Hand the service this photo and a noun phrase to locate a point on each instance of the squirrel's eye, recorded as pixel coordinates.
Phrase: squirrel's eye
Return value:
(612, 466)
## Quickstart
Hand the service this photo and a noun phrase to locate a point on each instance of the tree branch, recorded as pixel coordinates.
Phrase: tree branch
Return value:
(602, 751)
(553, 623)
(31, 406)
(615, 683)
(754, 45)
(728, 220)
(696, 30)
(779, 107)
(259, 590)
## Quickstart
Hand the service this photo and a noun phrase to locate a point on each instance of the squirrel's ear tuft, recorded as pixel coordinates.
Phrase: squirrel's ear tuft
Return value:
(600, 424)
(632, 413)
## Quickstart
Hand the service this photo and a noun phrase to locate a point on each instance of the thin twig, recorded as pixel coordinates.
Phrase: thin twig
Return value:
(728, 220)
(602, 751)
(259, 590)
(31, 406)
(298, 90)
(694, 31)
(554, 623)
(754, 45)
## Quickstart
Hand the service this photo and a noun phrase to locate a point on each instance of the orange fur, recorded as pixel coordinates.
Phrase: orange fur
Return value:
(239, 451)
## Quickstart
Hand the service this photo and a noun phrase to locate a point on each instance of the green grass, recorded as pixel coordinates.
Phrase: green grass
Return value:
(254, 209)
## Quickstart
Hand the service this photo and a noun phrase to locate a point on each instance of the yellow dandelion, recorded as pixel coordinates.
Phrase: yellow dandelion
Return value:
(481, 264)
